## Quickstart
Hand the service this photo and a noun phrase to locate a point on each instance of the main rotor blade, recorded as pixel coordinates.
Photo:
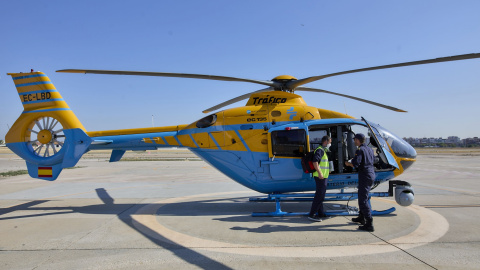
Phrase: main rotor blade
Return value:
(351, 97)
(165, 74)
(233, 100)
(295, 84)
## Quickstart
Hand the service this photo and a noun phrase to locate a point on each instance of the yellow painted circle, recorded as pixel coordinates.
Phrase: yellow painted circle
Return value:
(431, 228)
(44, 136)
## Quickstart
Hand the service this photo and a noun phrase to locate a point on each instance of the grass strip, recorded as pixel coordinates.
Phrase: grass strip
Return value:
(13, 173)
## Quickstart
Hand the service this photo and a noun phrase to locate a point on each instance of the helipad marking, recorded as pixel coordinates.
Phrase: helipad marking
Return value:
(432, 227)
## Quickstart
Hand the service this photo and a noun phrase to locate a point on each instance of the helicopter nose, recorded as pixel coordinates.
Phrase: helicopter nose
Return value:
(405, 152)
(402, 149)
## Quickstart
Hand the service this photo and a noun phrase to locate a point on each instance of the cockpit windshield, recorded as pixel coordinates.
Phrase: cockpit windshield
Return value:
(400, 147)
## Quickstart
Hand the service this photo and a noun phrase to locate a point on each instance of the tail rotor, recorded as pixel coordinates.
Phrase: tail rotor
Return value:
(45, 137)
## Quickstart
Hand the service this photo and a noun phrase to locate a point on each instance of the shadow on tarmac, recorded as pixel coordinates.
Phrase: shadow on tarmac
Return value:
(182, 252)
(123, 212)
(239, 208)
(282, 228)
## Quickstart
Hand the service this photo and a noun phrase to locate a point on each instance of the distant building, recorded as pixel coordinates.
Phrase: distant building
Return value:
(451, 141)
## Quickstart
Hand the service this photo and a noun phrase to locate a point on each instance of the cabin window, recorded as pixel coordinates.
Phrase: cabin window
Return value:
(276, 113)
(207, 121)
(289, 143)
(316, 138)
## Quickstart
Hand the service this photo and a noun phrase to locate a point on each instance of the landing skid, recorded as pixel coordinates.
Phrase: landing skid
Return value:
(347, 211)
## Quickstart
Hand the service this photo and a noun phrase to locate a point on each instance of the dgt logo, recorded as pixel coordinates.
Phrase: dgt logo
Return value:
(292, 113)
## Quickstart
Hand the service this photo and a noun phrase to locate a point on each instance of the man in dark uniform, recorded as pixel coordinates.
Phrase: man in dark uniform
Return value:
(322, 170)
(363, 162)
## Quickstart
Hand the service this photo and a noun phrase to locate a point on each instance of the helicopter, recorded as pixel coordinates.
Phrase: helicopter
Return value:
(259, 145)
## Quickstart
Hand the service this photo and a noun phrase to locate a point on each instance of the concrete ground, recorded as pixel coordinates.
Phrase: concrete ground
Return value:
(168, 214)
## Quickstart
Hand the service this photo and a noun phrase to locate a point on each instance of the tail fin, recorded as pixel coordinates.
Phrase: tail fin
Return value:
(37, 91)
(47, 134)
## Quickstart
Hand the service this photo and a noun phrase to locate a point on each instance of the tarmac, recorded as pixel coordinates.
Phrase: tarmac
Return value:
(173, 211)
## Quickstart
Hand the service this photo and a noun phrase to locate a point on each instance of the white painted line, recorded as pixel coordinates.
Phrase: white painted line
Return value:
(431, 228)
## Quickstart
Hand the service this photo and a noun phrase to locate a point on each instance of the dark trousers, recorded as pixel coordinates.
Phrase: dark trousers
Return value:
(363, 191)
(320, 190)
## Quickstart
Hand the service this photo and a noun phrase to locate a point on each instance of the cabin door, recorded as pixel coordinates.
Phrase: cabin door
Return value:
(382, 150)
(286, 150)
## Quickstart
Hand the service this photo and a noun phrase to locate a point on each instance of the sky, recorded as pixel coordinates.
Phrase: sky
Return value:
(247, 39)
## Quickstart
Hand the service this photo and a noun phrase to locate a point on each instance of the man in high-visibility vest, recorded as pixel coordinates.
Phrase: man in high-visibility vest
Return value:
(321, 165)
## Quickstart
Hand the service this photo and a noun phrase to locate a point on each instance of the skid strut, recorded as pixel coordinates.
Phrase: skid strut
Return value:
(347, 211)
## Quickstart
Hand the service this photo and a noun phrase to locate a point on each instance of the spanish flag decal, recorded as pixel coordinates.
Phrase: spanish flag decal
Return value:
(44, 171)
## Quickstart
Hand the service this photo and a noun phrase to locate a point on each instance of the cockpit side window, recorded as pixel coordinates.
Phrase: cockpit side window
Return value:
(399, 146)
(207, 121)
(289, 143)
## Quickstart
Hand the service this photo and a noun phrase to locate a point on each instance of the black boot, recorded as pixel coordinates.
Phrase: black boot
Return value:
(360, 219)
(368, 225)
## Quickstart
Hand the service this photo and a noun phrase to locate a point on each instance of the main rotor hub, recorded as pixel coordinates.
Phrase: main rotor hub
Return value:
(283, 78)
(282, 81)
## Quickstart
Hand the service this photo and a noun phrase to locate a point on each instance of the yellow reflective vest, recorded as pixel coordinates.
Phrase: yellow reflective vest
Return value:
(323, 164)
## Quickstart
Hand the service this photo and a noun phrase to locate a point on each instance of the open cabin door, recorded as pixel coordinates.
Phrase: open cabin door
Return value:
(382, 148)
(286, 148)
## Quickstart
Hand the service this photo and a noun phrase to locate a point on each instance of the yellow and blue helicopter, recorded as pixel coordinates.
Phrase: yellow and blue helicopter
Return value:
(258, 145)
